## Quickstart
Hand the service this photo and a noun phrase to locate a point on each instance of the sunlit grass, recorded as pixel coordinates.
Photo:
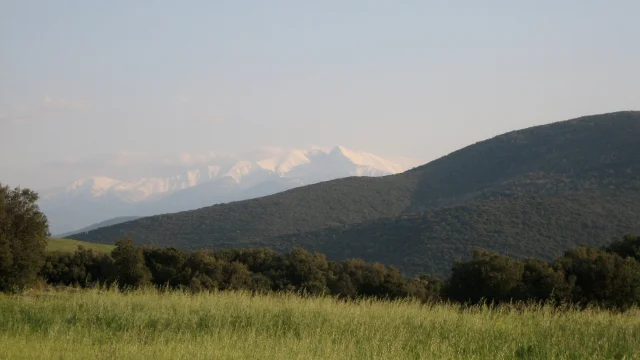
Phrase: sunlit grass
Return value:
(69, 245)
(95, 324)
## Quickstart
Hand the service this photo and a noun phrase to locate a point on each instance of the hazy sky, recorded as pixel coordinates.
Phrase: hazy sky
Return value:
(85, 79)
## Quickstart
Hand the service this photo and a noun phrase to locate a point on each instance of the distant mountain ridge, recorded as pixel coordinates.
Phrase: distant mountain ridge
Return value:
(530, 192)
(114, 221)
(93, 199)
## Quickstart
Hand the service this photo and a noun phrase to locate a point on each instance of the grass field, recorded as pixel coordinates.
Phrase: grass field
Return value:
(149, 325)
(68, 245)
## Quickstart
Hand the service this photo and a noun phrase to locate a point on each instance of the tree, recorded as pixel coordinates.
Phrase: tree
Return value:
(307, 271)
(204, 272)
(488, 275)
(628, 246)
(166, 265)
(602, 278)
(426, 287)
(24, 230)
(129, 264)
(542, 282)
(83, 268)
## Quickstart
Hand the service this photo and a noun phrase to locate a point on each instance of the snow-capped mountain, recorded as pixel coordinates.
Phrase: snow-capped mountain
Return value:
(96, 198)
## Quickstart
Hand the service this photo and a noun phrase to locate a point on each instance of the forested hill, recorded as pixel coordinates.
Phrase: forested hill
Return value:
(333, 203)
(520, 226)
(577, 159)
(584, 153)
(114, 221)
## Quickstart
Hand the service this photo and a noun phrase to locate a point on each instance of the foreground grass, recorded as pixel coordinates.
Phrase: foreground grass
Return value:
(69, 245)
(97, 324)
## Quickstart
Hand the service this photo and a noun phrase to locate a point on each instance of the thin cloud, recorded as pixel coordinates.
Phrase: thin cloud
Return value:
(192, 109)
(49, 107)
(120, 159)
(212, 119)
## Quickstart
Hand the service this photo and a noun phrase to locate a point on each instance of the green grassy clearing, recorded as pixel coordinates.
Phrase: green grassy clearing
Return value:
(69, 245)
(150, 325)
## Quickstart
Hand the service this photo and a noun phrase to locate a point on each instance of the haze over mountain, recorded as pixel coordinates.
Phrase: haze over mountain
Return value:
(531, 192)
(222, 179)
(116, 220)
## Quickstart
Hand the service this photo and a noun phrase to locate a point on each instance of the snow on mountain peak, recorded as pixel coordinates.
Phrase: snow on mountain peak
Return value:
(279, 162)
(284, 162)
(365, 159)
(239, 170)
(96, 185)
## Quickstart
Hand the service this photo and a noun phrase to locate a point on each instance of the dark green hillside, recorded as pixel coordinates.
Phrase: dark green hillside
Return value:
(520, 226)
(332, 203)
(114, 221)
(584, 153)
(574, 169)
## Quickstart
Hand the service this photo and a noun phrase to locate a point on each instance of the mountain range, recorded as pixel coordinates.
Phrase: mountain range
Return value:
(525, 193)
(93, 199)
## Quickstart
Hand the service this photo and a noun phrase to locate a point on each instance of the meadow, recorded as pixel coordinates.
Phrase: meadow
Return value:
(70, 245)
(148, 324)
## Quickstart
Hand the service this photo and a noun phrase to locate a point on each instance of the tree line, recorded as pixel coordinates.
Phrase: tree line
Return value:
(607, 277)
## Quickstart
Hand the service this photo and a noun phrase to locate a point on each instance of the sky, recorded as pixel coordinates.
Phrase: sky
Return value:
(84, 81)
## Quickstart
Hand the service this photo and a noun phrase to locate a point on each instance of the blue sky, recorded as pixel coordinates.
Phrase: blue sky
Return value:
(84, 79)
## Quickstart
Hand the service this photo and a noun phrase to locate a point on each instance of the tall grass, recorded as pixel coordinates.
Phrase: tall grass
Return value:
(98, 324)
